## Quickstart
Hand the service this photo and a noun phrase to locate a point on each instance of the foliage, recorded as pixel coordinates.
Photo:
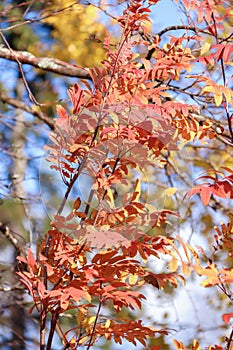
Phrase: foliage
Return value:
(148, 102)
(82, 35)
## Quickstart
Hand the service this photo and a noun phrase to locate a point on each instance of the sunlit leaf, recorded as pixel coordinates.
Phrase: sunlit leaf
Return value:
(173, 265)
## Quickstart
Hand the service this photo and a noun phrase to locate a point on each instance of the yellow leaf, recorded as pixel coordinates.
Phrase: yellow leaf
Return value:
(82, 340)
(78, 41)
(88, 321)
(195, 345)
(107, 324)
(81, 315)
(81, 259)
(133, 279)
(217, 91)
(194, 253)
(123, 276)
(228, 94)
(72, 342)
(73, 265)
(169, 191)
(217, 97)
(186, 269)
(205, 48)
(173, 265)
(110, 197)
(208, 88)
(37, 108)
(192, 135)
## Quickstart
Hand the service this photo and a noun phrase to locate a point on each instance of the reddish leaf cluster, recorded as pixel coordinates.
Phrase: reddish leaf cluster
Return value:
(222, 188)
(120, 124)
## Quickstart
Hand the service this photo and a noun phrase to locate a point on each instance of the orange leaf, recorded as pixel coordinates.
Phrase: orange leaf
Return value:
(31, 259)
(205, 195)
(179, 345)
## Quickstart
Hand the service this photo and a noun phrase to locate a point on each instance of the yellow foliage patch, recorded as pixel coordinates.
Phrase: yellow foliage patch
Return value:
(77, 33)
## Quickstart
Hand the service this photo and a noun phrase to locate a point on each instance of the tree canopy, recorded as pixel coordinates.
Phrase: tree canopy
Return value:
(116, 175)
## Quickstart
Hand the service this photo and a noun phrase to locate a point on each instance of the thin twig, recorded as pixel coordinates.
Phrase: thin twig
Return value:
(42, 17)
(30, 94)
(14, 102)
(94, 325)
(229, 343)
(53, 324)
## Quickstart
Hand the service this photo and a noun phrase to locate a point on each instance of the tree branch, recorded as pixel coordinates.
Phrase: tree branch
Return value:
(14, 102)
(44, 63)
(182, 27)
(172, 28)
(5, 230)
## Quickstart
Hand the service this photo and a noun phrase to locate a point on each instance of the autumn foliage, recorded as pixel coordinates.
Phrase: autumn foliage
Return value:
(123, 121)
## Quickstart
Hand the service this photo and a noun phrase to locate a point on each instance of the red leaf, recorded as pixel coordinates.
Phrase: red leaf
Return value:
(206, 59)
(108, 130)
(223, 51)
(63, 119)
(103, 257)
(220, 51)
(62, 112)
(76, 96)
(227, 317)
(227, 52)
(64, 300)
(31, 260)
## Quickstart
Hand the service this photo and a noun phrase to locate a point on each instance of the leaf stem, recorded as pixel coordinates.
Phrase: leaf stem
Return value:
(94, 325)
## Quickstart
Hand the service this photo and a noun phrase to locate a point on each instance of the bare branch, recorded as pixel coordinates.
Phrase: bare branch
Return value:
(30, 94)
(45, 63)
(14, 102)
(5, 230)
(230, 341)
(182, 27)
(10, 289)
